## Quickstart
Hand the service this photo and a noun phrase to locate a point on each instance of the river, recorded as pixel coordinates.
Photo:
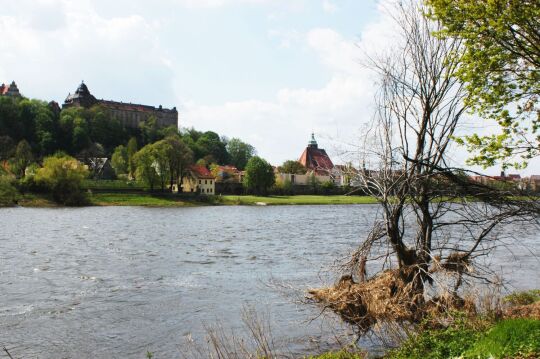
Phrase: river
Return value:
(116, 282)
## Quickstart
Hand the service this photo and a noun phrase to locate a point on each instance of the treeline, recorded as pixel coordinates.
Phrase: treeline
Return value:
(84, 133)
(34, 134)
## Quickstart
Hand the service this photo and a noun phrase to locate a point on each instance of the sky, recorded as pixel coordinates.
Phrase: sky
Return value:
(269, 72)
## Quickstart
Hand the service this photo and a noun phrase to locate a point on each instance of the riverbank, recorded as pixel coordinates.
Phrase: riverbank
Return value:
(167, 200)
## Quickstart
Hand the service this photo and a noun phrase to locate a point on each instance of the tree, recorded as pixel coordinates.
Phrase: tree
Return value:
(427, 228)
(162, 152)
(131, 150)
(22, 159)
(180, 157)
(240, 152)
(259, 176)
(209, 143)
(62, 176)
(119, 160)
(500, 65)
(7, 147)
(293, 167)
(145, 166)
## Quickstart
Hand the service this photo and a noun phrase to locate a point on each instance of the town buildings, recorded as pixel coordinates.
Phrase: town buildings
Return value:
(129, 115)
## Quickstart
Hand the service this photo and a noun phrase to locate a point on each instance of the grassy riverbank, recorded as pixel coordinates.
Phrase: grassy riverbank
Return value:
(138, 199)
(158, 200)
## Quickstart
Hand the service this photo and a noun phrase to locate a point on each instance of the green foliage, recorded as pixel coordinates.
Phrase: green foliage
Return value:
(523, 298)
(62, 176)
(505, 339)
(328, 186)
(119, 160)
(500, 66)
(179, 156)
(293, 167)
(131, 150)
(206, 145)
(163, 161)
(259, 176)
(239, 152)
(22, 159)
(8, 192)
(145, 168)
(7, 147)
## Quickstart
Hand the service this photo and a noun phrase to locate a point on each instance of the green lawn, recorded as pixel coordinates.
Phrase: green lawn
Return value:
(146, 199)
(112, 184)
(137, 199)
(299, 200)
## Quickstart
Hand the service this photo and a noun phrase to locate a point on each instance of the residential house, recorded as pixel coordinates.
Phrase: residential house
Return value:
(199, 180)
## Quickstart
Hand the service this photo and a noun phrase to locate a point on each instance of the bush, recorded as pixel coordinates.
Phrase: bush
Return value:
(62, 176)
(8, 193)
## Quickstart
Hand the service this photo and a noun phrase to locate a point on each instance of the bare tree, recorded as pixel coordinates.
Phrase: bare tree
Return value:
(433, 219)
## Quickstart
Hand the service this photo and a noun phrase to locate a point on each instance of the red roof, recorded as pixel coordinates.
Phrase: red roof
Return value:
(316, 159)
(3, 89)
(201, 172)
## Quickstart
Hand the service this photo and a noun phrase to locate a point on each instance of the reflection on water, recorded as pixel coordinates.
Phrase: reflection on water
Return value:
(118, 281)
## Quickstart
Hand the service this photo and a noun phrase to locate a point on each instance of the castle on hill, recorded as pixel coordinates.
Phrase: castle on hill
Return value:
(11, 90)
(129, 115)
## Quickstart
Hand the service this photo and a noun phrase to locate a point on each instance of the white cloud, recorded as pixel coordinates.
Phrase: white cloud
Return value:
(329, 6)
(79, 43)
(280, 128)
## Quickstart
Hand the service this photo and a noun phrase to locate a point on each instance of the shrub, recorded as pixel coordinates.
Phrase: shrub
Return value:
(62, 176)
(8, 193)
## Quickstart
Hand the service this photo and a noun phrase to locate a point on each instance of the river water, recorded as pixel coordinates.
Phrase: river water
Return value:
(116, 282)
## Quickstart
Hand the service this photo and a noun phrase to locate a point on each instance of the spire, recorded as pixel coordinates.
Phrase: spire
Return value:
(312, 142)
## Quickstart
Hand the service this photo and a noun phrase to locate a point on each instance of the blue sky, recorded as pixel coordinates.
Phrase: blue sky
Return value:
(266, 71)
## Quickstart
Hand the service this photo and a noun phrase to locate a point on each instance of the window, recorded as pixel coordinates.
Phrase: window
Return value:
(205, 182)
(210, 181)
(200, 181)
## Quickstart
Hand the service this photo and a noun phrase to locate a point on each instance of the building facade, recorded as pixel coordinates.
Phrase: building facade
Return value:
(129, 115)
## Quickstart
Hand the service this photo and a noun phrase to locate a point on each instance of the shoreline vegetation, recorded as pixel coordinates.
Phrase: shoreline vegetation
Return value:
(146, 199)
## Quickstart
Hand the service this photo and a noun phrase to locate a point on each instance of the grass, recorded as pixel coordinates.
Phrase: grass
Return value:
(297, 200)
(112, 184)
(509, 338)
(137, 199)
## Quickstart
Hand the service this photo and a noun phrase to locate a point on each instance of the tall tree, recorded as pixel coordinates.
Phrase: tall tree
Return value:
(145, 166)
(119, 160)
(22, 159)
(131, 150)
(180, 157)
(501, 67)
(259, 176)
(240, 152)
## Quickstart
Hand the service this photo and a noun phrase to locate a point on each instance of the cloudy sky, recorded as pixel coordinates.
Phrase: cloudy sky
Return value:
(267, 71)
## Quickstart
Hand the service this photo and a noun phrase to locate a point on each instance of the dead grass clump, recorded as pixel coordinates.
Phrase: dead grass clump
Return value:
(524, 311)
(390, 296)
(385, 297)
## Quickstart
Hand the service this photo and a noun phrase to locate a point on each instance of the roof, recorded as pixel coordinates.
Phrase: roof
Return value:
(201, 172)
(3, 89)
(316, 159)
